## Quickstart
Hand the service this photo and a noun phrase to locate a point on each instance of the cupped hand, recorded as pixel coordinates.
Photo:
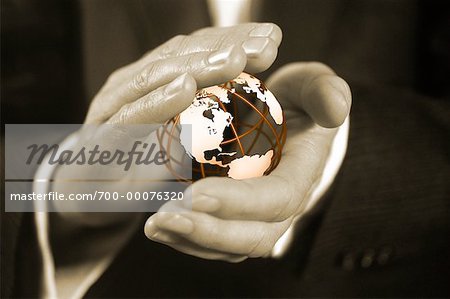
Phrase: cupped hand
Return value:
(162, 84)
(139, 92)
(232, 220)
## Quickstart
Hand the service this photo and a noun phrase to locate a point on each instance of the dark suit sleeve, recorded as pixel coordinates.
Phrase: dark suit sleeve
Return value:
(385, 230)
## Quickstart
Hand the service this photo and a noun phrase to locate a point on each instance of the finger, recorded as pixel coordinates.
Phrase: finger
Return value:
(253, 37)
(260, 42)
(275, 197)
(159, 105)
(315, 89)
(249, 238)
(207, 254)
(206, 68)
(261, 51)
(251, 29)
(261, 48)
(179, 243)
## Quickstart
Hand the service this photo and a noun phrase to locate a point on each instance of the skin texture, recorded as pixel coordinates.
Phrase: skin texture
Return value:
(230, 220)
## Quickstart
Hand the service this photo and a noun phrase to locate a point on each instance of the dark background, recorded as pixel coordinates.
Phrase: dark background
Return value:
(56, 54)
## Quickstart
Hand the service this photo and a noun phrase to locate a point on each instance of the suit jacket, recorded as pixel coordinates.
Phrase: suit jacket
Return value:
(382, 229)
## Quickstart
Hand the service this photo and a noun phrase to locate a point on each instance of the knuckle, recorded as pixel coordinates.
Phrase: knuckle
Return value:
(195, 64)
(112, 77)
(118, 73)
(173, 46)
(191, 63)
(220, 42)
(148, 53)
(140, 82)
(124, 114)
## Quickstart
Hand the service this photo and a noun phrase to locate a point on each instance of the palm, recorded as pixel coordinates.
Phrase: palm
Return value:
(235, 219)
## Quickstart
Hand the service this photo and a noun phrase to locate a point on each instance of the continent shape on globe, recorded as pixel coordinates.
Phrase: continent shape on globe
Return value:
(209, 121)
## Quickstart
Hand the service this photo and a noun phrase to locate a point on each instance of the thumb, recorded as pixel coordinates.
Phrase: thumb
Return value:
(314, 89)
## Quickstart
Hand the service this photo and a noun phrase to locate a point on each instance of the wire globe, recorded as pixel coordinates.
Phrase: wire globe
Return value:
(236, 129)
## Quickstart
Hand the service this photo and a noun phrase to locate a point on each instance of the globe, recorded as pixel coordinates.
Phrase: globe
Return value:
(236, 129)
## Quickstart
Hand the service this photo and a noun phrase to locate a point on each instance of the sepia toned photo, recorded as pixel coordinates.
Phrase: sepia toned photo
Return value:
(225, 149)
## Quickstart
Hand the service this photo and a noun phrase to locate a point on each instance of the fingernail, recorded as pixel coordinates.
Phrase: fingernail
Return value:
(205, 203)
(255, 46)
(175, 222)
(220, 56)
(175, 85)
(264, 30)
(163, 237)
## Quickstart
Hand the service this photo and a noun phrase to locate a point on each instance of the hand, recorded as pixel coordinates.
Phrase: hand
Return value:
(162, 84)
(232, 220)
(135, 93)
